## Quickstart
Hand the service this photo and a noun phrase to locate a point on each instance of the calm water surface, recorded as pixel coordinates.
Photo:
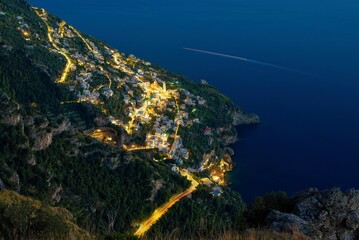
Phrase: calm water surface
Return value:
(310, 131)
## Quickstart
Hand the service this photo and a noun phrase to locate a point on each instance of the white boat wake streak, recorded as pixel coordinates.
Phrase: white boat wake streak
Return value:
(244, 60)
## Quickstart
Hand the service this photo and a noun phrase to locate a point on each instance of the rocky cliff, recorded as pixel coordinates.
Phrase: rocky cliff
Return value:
(241, 118)
(35, 132)
(228, 134)
(330, 214)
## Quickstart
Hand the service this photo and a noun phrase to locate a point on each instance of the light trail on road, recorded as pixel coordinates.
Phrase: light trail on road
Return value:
(137, 148)
(67, 69)
(157, 214)
(244, 60)
(82, 38)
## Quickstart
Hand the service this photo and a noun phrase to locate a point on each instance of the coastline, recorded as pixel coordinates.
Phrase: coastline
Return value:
(241, 120)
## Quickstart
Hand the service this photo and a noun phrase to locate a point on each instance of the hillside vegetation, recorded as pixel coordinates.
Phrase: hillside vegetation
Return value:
(73, 114)
(24, 218)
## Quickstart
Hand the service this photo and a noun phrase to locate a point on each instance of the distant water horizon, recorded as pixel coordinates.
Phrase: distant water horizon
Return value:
(309, 135)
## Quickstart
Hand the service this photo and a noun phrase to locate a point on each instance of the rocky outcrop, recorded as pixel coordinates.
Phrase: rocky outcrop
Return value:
(39, 132)
(2, 185)
(9, 111)
(42, 140)
(15, 181)
(329, 214)
(241, 118)
(64, 124)
(31, 160)
(56, 197)
(227, 135)
(12, 120)
(281, 222)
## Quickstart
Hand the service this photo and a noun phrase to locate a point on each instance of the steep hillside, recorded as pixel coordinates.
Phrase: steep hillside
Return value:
(25, 218)
(104, 134)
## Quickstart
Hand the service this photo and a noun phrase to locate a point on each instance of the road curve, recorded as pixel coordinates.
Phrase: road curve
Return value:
(159, 212)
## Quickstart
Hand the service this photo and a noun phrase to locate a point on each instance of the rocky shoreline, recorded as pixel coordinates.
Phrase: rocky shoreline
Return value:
(228, 135)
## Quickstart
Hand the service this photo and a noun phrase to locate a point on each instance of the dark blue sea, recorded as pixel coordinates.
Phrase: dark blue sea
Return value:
(309, 136)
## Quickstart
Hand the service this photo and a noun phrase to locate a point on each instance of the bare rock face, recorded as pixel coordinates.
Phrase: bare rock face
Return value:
(64, 125)
(42, 140)
(15, 181)
(287, 221)
(36, 125)
(9, 111)
(56, 195)
(329, 214)
(32, 161)
(11, 120)
(2, 185)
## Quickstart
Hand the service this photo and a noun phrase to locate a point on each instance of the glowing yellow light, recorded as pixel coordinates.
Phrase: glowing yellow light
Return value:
(49, 31)
(215, 178)
(26, 33)
(157, 214)
(82, 38)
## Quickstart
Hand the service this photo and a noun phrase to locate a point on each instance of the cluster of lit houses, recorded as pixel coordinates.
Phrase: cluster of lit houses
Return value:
(145, 96)
(145, 99)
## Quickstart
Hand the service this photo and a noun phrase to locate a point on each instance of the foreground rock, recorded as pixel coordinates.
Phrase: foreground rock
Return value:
(329, 214)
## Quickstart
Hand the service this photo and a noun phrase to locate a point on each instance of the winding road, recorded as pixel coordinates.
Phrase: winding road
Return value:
(59, 50)
(157, 214)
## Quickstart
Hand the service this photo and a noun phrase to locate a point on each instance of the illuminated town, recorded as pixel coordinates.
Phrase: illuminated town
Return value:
(100, 76)
(140, 120)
